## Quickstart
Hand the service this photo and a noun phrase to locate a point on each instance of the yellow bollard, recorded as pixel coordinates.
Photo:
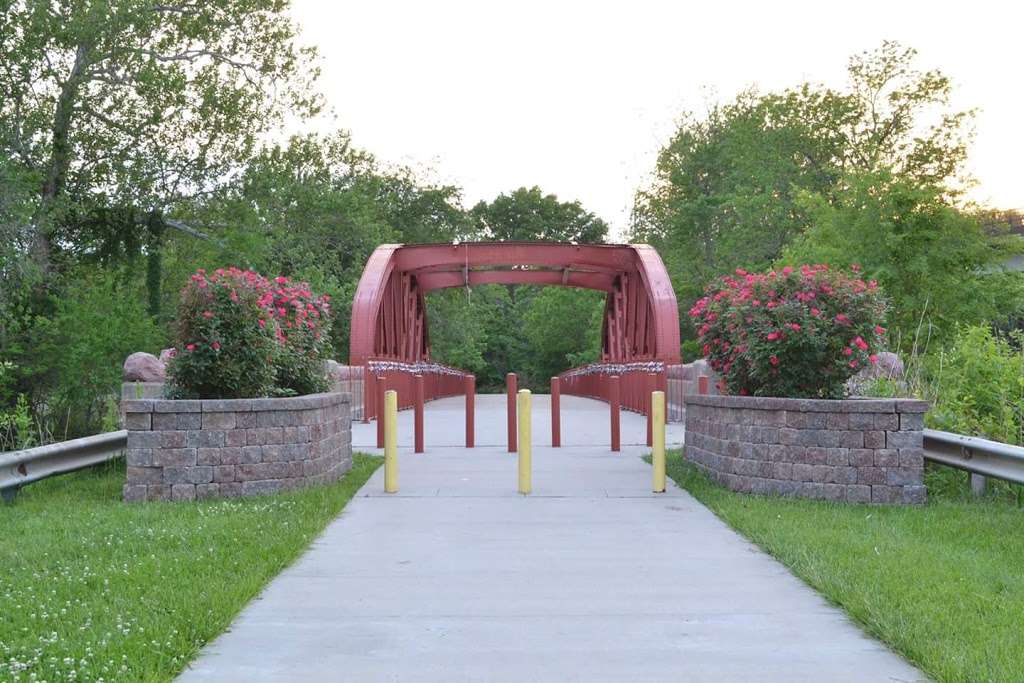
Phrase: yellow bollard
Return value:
(658, 432)
(525, 445)
(391, 441)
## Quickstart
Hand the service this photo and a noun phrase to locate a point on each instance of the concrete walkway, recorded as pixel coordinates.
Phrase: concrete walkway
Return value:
(458, 578)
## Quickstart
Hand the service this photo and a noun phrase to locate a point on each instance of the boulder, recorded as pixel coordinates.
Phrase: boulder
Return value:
(143, 367)
(888, 365)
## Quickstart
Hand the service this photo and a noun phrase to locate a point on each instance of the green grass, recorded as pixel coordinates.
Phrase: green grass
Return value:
(92, 588)
(942, 583)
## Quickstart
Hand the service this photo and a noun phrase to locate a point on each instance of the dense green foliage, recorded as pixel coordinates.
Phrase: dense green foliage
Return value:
(871, 174)
(939, 583)
(792, 333)
(132, 592)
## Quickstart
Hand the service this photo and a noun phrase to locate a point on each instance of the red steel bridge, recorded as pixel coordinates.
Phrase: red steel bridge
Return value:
(391, 342)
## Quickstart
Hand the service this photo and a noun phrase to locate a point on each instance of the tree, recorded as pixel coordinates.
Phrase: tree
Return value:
(532, 331)
(727, 187)
(935, 263)
(528, 215)
(141, 105)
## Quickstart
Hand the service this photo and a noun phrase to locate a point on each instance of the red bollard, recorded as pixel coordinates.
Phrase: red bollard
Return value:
(510, 386)
(556, 412)
(470, 410)
(367, 394)
(702, 384)
(650, 385)
(379, 385)
(418, 416)
(614, 403)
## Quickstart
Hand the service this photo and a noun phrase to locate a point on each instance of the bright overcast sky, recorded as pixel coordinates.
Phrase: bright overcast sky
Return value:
(577, 97)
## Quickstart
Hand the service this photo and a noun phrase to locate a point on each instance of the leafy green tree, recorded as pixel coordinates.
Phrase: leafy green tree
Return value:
(140, 105)
(529, 215)
(562, 328)
(80, 351)
(933, 261)
(532, 331)
(728, 188)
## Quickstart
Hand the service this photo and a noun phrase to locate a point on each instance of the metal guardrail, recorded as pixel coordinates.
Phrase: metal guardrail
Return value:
(18, 468)
(975, 455)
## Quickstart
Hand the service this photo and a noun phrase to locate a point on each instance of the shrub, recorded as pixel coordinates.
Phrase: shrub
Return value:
(225, 344)
(978, 386)
(303, 332)
(241, 335)
(791, 333)
(99, 319)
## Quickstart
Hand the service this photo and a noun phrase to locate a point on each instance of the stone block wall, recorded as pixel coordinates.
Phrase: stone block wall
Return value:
(856, 450)
(187, 450)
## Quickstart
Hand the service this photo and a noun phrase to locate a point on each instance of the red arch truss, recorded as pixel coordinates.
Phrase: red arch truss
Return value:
(389, 322)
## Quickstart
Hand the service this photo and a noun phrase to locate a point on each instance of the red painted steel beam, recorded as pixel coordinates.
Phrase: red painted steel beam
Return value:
(429, 282)
(388, 312)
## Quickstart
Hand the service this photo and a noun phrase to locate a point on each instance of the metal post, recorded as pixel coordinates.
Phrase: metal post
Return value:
(379, 385)
(510, 387)
(658, 452)
(556, 412)
(367, 394)
(390, 418)
(525, 437)
(614, 405)
(650, 384)
(418, 416)
(977, 484)
(470, 410)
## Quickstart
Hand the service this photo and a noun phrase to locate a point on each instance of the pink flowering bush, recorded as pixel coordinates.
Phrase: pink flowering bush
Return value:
(302, 331)
(790, 333)
(240, 335)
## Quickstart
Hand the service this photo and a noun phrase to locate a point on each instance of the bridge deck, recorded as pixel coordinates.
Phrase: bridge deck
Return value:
(592, 577)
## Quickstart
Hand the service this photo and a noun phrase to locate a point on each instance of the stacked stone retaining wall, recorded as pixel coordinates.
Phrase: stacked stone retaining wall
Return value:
(189, 449)
(856, 450)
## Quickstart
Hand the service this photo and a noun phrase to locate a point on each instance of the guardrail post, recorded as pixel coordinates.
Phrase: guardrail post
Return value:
(470, 410)
(658, 452)
(525, 437)
(390, 418)
(379, 386)
(510, 387)
(614, 403)
(556, 412)
(978, 482)
(418, 415)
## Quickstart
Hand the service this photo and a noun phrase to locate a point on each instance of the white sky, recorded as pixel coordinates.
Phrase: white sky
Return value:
(578, 97)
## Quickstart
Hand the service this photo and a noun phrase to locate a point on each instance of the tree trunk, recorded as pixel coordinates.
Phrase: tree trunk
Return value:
(60, 156)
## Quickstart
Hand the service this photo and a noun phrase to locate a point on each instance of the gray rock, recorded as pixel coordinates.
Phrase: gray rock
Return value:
(144, 367)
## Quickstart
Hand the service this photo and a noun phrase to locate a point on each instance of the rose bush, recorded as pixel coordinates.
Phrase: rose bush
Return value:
(240, 335)
(303, 333)
(797, 332)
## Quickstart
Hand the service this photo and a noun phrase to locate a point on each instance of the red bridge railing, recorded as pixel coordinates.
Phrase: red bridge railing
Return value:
(636, 382)
(439, 381)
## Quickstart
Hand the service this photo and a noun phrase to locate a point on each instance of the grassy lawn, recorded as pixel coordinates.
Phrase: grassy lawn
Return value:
(94, 589)
(942, 583)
